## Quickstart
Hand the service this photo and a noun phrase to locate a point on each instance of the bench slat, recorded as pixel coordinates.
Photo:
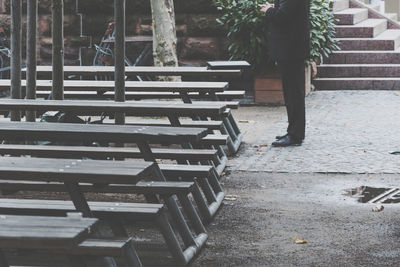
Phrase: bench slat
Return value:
(32, 131)
(141, 70)
(103, 210)
(140, 95)
(150, 187)
(85, 85)
(135, 108)
(104, 152)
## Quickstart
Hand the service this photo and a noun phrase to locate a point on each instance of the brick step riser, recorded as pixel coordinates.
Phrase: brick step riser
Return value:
(368, 45)
(360, 58)
(357, 71)
(355, 33)
(357, 85)
(351, 19)
(360, 32)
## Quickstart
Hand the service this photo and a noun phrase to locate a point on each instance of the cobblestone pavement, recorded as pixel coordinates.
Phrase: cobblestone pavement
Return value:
(347, 132)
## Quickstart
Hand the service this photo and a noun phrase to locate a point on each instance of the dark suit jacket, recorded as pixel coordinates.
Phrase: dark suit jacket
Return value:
(289, 30)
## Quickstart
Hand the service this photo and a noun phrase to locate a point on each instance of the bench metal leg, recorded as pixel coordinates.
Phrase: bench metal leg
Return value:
(80, 203)
(191, 213)
(201, 204)
(3, 260)
(234, 124)
(185, 232)
(206, 187)
(185, 97)
(180, 256)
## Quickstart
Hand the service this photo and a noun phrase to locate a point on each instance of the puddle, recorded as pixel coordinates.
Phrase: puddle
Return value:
(367, 194)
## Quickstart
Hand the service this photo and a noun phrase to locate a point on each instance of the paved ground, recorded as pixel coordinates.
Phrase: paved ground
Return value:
(280, 193)
(347, 132)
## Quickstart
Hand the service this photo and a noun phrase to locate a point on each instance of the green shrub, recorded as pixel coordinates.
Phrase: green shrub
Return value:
(322, 30)
(247, 30)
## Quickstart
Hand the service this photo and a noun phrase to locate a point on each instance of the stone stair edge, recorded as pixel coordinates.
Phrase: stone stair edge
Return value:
(393, 24)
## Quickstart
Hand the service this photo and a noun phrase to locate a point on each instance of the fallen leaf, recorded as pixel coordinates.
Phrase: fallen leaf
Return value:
(299, 240)
(378, 208)
(244, 121)
(260, 146)
(397, 94)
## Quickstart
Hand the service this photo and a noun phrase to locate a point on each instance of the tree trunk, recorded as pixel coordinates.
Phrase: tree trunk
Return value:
(164, 35)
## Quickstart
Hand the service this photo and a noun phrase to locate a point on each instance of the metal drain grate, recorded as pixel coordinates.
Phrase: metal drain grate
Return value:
(366, 194)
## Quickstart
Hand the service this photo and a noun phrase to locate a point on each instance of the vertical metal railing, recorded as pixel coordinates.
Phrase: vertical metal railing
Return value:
(58, 49)
(31, 58)
(119, 75)
(16, 54)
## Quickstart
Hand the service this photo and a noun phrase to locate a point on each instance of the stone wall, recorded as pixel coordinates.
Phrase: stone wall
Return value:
(200, 38)
(71, 30)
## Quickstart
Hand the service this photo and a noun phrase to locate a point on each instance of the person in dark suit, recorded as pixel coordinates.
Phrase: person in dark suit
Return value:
(289, 45)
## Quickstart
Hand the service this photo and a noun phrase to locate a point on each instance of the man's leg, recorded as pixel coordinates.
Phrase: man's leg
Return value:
(284, 68)
(293, 80)
(297, 101)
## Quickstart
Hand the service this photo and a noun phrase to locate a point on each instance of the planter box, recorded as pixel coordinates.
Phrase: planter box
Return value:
(268, 87)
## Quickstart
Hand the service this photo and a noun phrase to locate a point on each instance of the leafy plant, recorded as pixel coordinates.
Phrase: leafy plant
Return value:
(247, 30)
(322, 30)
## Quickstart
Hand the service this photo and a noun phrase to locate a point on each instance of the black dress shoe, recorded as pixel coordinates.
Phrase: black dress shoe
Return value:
(279, 137)
(287, 141)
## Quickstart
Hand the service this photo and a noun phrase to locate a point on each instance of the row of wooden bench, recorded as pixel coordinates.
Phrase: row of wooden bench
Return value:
(113, 177)
(56, 175)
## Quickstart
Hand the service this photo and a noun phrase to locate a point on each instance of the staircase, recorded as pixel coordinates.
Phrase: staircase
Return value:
(370, 51)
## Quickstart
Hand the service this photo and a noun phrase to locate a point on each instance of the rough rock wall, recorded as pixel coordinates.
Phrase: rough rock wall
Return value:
(71, 29)
(199, 37)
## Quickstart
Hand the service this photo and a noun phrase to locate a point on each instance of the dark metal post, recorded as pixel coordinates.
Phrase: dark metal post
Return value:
(57, 7)
(31, 29)
(16, 54)
(119, 17)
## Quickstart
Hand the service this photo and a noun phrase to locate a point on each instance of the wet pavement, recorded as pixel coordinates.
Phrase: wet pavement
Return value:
(321, 191)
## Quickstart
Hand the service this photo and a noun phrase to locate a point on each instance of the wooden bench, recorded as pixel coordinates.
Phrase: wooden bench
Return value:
(141, 70)
(142, 136)
(90, 95)
(204, 175)
(174, 111)
(206, 156)
(122, 174)
(215, 111)
(46, 233)
(152, 86)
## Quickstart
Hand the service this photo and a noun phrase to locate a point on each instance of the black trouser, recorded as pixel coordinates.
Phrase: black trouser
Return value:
(293, 79)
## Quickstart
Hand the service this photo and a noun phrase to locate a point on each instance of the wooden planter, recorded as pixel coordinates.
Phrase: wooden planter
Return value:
(268, 87)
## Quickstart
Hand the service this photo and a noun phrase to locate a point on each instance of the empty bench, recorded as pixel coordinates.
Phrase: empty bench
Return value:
(73, 174)
(173, 111)
(142, 136)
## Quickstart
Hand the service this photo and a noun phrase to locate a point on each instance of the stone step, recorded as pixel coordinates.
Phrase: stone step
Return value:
(357, 83)
(388, 40)
(366, 29)
(375, 7)
(358, 70)
(340, 5)
(392, 16)
(364, 57)
(351, 16)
